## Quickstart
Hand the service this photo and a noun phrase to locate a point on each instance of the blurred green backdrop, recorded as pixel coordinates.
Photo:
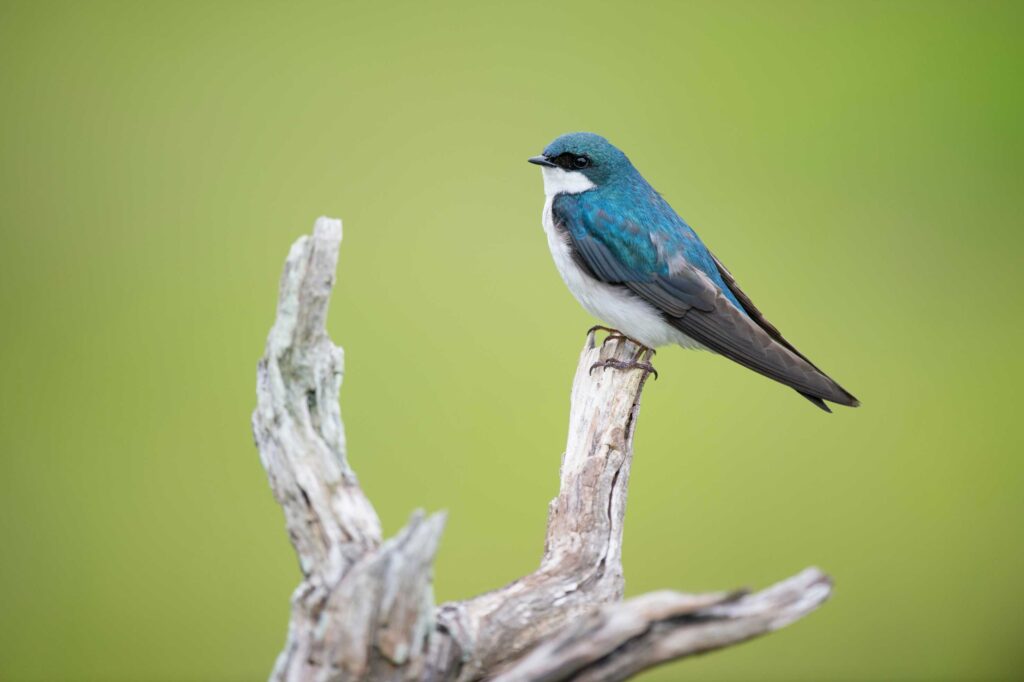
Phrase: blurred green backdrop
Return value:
(857, 165)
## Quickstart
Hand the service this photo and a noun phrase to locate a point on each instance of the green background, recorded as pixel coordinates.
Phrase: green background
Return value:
(858, 166)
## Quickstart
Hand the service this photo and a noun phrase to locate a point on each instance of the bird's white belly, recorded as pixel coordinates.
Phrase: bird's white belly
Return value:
(614, 306)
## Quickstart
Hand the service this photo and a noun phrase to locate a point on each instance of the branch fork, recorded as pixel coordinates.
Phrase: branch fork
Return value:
(364, 609)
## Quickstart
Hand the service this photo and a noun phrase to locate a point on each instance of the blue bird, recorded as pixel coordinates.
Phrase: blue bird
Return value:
(633, 263)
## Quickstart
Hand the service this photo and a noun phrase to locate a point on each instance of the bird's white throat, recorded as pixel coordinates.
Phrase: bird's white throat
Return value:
(561, 181)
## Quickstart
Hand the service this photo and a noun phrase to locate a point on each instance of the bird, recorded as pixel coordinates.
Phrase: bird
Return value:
(632, 262)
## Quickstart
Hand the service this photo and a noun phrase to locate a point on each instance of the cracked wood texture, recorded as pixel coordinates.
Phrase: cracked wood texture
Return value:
(365, 610)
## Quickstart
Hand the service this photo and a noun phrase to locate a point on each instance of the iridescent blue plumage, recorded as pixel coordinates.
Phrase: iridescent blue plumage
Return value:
(630, 219)
(630, 259)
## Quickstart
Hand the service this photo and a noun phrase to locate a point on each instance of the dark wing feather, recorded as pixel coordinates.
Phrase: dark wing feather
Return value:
(740, 338)
(779, 360)
(763, 322)
(752, 310)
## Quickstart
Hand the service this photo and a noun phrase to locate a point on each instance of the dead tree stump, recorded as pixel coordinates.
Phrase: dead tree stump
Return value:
(364, 609)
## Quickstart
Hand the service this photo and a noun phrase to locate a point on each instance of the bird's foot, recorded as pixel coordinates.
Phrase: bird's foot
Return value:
(646, 367)
(616, 334)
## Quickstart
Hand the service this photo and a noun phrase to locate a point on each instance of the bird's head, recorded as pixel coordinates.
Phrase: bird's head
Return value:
(577, 162)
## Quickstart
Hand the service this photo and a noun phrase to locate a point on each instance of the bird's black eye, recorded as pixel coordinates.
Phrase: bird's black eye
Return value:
(570, 161)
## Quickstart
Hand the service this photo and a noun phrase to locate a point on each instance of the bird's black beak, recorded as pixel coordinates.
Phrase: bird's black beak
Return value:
(541, 161)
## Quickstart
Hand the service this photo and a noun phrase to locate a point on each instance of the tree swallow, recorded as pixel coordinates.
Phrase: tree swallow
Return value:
(633, 263)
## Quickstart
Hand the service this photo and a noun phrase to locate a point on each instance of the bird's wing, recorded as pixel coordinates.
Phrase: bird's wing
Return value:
(772, 331)
(751, 309)
(619, 253)
(674, 293)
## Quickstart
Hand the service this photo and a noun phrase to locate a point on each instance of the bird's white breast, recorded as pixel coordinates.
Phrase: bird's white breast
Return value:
(614, 306)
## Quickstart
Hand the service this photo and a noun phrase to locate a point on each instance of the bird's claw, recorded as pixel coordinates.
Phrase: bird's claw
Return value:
(615, 334)
(646, 367)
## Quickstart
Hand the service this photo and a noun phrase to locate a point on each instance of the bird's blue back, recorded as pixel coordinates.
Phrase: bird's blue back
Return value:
(639, 228)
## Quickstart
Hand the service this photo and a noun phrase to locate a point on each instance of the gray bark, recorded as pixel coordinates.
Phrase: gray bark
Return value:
(365, 610)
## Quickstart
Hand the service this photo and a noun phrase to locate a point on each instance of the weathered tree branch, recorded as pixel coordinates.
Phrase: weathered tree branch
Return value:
(364, 609)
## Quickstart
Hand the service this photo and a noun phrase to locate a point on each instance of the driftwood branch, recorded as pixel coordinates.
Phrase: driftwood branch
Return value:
(364, 609)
